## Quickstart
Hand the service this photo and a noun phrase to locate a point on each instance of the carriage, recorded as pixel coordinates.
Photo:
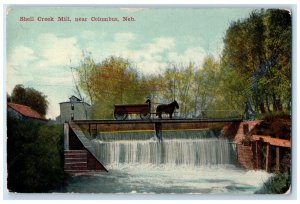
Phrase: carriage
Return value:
(121, 112)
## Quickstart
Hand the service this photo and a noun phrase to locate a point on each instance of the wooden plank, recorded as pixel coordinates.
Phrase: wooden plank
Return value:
(66, 136)
(164, 120)
(258, 154)
(268, 157)
(272, 141)
(277, 159)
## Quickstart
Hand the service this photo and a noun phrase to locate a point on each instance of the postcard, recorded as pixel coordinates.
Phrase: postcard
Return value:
(149, 100)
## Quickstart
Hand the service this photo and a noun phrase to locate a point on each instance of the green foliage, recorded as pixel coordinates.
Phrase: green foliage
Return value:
(178, 84)
(255, 67)
(113, 81)
(30, 97)
(272, 115)
(34, 156)
(259, 49)
(277, 184)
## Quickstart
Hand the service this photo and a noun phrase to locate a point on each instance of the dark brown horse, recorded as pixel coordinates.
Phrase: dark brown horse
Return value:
(167, 108)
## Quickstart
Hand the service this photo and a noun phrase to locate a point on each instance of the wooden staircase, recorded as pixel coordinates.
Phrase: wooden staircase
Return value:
(80, 158)
(76, 161)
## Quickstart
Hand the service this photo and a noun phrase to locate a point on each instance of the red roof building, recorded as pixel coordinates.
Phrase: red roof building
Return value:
(19, 110)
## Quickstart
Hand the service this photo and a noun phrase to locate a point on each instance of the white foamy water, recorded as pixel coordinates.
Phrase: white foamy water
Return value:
(161, 179)
(190, 166)
(192, 152)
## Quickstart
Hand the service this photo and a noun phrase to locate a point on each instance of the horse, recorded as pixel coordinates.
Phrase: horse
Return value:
(166, 108)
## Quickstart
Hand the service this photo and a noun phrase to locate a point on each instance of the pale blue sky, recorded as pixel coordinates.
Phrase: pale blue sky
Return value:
(39, 54)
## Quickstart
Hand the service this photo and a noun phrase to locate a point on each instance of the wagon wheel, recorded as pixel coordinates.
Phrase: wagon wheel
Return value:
(145, 115)
(120, 114)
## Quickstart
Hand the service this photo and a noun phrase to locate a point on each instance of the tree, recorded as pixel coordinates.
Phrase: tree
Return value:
(258, 50)
(85, 73)
(278, 46)
(34, 156)
(30, 97)
(113, 81)
(176, 84)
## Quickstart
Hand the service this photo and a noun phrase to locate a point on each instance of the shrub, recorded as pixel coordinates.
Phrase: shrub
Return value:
(34, 156)
(277, 184)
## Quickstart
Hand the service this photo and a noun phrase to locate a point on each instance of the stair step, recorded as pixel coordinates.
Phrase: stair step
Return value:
(77, 171)
(76, 168)
(75, 150)
(70, 160)
(83, 139)
(82, 154)
(70, 163)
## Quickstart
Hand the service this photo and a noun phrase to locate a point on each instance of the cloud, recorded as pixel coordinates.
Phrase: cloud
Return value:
(158, 46)
(18, 64)
(149, 57)
(156, 56)
(152, 67)
(58, 51)
(21, 56)
(192, 54)
(152, 57)
(124, 37)
(45, 66)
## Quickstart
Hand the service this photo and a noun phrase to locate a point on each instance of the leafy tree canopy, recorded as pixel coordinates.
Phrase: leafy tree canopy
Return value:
(30, 97)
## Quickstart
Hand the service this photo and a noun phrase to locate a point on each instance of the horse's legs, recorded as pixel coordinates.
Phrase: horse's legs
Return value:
(159, 115)
(171, 115)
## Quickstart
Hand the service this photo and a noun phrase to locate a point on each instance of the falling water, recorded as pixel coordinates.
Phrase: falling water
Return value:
(185, 162)
(190, 152)
(192, 148)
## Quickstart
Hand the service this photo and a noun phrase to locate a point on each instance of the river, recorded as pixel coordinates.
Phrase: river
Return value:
(193, 162)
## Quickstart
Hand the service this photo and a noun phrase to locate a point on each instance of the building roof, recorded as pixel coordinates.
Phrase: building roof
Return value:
(78, 102)
(74, 99)
(26, 111)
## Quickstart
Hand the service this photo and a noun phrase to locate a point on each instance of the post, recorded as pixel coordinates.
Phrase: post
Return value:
(245, 129)
(258, 154)
(96, 129)
(158, 131)
(90, 129)
(268, 157)
(277, 159)
(66, 136)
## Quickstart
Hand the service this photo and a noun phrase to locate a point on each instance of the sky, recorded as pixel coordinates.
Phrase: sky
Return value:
(40, 53)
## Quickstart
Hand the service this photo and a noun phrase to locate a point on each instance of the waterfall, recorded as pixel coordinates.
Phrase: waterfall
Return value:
(196, 148)
(146, 135)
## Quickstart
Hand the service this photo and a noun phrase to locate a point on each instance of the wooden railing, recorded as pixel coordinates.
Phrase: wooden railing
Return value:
(272, 141)
(267, 141)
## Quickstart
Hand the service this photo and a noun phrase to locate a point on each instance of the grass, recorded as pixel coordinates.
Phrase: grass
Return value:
(278, 184)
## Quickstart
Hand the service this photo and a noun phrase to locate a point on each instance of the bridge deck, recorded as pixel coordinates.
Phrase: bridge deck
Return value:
(175, 120)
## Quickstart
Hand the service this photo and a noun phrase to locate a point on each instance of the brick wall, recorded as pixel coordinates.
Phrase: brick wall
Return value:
(238, 132)
(245, 156)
